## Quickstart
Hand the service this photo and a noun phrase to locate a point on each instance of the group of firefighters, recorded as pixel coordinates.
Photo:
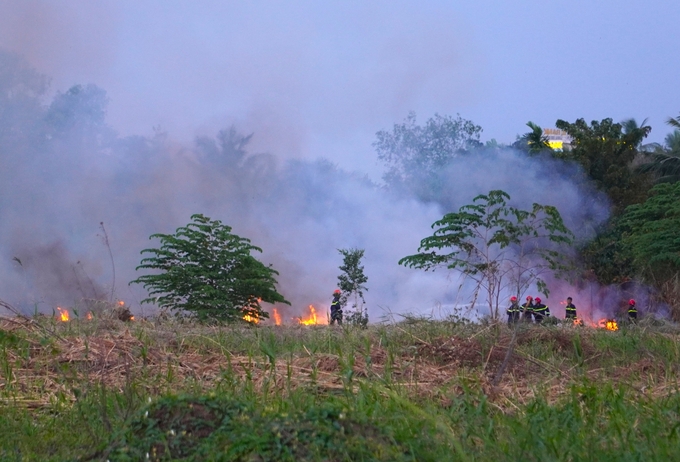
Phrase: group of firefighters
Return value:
(534, 310)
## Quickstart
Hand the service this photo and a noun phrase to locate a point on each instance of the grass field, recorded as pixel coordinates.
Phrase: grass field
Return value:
(103, 389)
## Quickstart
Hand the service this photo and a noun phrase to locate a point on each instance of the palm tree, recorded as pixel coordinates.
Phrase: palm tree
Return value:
(665, 163)
(534, 141)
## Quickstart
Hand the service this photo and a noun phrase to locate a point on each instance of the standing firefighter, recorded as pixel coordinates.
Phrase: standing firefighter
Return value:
(513, 311)
(336, 308)
(632, 310)
(570, 310)
(540, 311)
(528, 309)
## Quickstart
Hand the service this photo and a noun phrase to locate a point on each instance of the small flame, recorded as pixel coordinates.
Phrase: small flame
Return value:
(63, 314)
(121, 302)
(311, 319)
(132, 318)
(89, 316)
(277, 316)
(249, 318)
(578, 321)
(609, 324)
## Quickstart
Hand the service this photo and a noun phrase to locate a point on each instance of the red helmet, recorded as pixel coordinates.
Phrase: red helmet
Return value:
(538, 299)
(337, 291)
(529, 297)
(513, 299)
(631, 302)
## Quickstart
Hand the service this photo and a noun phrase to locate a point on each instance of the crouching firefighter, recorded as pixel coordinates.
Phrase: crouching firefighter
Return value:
(513, 311)
(540, 311)
(336, 308)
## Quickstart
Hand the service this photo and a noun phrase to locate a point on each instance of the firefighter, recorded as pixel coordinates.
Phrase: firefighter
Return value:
(632, 310)
(540, 311)
(528, 309)
(336, 309)
(570, 310)
(513, 311)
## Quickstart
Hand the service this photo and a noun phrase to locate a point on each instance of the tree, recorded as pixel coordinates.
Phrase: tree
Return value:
(606, 154)
(414, 154)
(209, 272)
(352, 282)
(533, 142)
(650, 237)
(665, 160)
(498, 246)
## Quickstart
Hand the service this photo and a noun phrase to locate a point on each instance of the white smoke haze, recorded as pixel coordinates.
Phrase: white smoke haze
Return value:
(64, 171)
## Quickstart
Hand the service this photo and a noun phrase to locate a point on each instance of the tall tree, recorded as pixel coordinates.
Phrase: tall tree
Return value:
(500, 247)
(206, 271)
(665, 159)
(606, 154)
(415, 154)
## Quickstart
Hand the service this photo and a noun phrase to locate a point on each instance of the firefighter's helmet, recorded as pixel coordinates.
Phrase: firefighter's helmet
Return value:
(631, 302)
(538, 299)
(336, 291)
(513, 299)
(529, 297)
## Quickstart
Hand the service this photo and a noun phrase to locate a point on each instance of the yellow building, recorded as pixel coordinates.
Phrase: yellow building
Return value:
(558, 139)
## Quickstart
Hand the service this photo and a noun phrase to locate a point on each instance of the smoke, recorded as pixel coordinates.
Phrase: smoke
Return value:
(65, 171)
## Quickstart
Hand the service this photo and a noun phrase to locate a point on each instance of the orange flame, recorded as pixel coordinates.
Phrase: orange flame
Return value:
(89, 316)
(312, 318)
(121, 302)
(578, 321)
(249, 318)
(63, 314)
(132, 318)
(277, 317)
(609, 324)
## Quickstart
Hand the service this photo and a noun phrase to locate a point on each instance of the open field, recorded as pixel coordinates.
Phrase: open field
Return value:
(417, 390)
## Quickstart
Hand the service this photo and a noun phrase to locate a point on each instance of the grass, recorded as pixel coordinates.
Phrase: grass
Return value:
(416, 390)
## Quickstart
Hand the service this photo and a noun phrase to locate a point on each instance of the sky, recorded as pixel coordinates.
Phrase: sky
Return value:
(314, 81)
(318, 79)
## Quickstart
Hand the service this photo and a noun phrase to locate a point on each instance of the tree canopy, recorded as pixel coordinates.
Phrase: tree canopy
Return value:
(206, 271)
(501, 247)
(415, 154)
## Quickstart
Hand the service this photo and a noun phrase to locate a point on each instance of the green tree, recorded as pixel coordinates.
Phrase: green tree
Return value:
(414, 154)
(665, 159)
(533, 142)
(606, 153)
(352, 281)
(650, 238)
(205, 270)
(500, 247)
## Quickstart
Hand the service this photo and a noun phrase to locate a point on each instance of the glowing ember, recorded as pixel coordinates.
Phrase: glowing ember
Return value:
(132, 318)
(89, 316)
(609, 324)
(121, 302)
(578, 321)
(249, 318)
(63, 314)
(277, 317)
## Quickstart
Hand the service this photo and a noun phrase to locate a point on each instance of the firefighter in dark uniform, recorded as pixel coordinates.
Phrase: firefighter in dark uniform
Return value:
(336, 309)
(632, 310)
(513, 311)
(540, 311)
(570, 310)
(528, 309)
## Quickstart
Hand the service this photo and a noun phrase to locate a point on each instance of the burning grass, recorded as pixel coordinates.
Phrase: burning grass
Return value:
(401, 369)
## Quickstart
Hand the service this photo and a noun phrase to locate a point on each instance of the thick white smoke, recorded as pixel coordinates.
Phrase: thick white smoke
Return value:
(64, 172)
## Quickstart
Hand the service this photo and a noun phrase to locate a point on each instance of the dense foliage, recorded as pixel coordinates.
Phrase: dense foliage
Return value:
(205, 270)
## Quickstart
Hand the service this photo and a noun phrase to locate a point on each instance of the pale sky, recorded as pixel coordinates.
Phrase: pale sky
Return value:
(318, 79)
